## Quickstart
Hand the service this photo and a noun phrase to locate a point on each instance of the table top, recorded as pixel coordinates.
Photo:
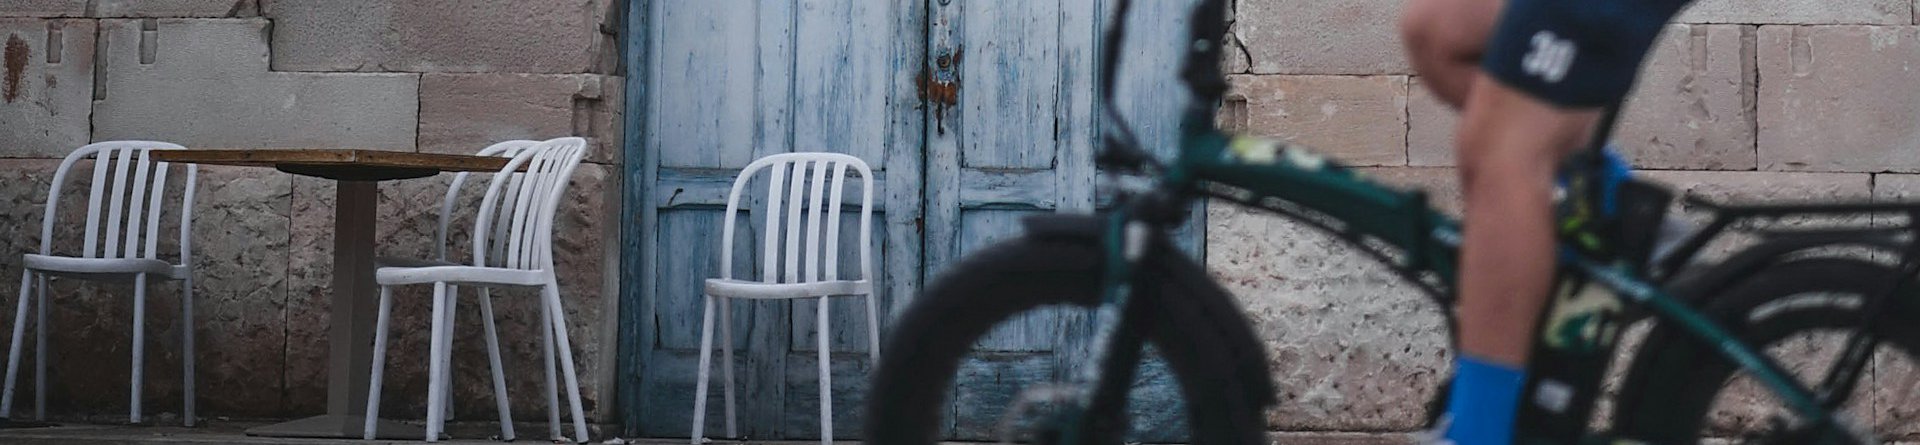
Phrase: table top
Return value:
(345, 164)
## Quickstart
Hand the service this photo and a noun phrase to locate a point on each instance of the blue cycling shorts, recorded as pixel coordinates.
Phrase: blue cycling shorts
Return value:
(1575, 53)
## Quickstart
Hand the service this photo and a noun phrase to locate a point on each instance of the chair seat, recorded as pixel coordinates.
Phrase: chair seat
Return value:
(66, 265)
(720, 287)
(455, 274)
(388, 261)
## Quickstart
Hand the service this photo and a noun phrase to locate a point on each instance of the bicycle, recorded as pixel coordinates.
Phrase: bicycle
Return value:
(1120, 264)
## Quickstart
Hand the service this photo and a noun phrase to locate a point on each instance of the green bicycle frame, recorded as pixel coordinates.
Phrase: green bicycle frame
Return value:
(1293, 181)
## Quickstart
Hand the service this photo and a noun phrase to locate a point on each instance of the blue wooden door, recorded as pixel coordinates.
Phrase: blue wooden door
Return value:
(973, 113)
(1018, 139)
(723, 83)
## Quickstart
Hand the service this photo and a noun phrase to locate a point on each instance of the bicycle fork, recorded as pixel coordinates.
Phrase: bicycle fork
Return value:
(1100, 390)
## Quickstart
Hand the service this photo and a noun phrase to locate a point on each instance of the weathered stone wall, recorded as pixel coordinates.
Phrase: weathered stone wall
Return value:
(1773, 99)
(443, 76)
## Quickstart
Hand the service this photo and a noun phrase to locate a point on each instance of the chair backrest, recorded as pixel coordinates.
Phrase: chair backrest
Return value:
(124, 201)
(514, 228)
(506, 149)
(789, 229)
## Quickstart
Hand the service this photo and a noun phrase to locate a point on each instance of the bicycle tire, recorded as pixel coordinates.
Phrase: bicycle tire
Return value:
(938, 328)
(1673, 379)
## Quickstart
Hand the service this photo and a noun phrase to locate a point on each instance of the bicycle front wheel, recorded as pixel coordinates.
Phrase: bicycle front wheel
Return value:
(994, 286)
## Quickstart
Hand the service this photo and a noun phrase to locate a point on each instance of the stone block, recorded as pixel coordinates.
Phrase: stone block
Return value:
(240, 231)
(408, 219)
(205, 83)
(1352, 347)
(462, 113)
(1839, 98)
(1430, 127)
(43, 8)
(1235, 59)
(46, 86)
(175, 8)
(241, 234)
(1693, 108)
(1323, 37)
(1810, 12)
(1777, 187)
(1766, 187)
(1896, 393)
(441, 35)
(1358, 120)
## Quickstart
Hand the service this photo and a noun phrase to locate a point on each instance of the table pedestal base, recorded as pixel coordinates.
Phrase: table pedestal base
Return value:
(338, 426)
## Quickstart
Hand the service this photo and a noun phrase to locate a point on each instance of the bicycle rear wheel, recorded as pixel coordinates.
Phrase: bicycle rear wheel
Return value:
(1679, 390)
(938, 329)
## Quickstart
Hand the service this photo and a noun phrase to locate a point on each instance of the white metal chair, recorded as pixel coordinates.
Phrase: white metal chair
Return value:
(822, 176)
(512, 246)
(506, 149)
(124, 205)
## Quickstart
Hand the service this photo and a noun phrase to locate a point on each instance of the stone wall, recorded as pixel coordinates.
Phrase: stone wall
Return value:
(442, 76)
(1767, 99)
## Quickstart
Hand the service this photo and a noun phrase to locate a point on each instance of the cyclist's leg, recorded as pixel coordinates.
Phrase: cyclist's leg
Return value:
(1444, 41)
(1549, 66)
(1510, 145)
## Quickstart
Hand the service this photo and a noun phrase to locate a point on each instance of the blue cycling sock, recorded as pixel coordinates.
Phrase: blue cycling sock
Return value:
(1483, 402)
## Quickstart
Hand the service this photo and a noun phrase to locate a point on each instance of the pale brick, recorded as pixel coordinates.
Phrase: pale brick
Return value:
(1430, 127)
(1896, 374)
(1692, 109)
(1883, 12)
(461, 113)
(408, 218)
(1839, 98)
(1321, 37)
(1777, 187)
(175, 8)
(1235, 59)
(43, 8)
(1896, 392)
(441, 35)
(209, 86)
(1357, 120)
(1354, 348)
(45, 98)
(1769, 188)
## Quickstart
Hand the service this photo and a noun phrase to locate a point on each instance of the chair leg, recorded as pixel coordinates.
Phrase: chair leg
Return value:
(379, 363)
(552, 388)
(566, 364)
(13, 349)
(873, 330)
(706, 369)
(453, 304)
(139, 344)
(726, 368)
(40, 350)
(493, 360)
(822, 333)
(436, 377)
(186, 359)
